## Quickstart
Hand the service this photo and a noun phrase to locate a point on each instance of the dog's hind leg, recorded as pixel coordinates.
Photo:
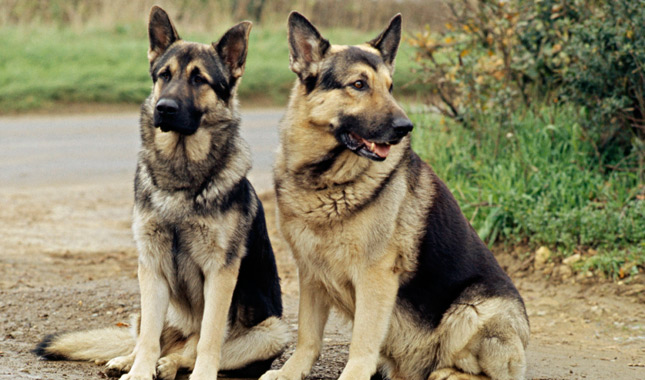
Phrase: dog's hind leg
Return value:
(260, 344)
(503, 358)
(245, 355)
(183, 355)
(484, 338)
(454, 374)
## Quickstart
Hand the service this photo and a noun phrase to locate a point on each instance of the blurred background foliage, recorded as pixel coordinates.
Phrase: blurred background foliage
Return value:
(74, 51)
(204, 15)
(531, 110)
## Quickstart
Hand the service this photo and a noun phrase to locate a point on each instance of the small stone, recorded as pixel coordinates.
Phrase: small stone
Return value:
(597, 311)
(563, 272)
(572, 259)
(541, 257)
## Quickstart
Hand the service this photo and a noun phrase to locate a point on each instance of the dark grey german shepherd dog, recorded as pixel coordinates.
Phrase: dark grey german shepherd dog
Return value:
(210, 292)
(377, 235)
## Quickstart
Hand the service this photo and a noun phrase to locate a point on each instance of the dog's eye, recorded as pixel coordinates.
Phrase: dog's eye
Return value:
(165, 75)
(391, 88)
(198, 79)
(359, 85)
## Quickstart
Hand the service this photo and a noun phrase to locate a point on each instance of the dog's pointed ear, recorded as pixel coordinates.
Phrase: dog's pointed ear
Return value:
(388, 41)
(161, 32)
(233, 47)
(307, 47)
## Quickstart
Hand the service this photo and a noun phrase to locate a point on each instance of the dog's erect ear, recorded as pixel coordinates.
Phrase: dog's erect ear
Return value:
(233, 46)
(161, 33)
(388, 41)
(306, 46)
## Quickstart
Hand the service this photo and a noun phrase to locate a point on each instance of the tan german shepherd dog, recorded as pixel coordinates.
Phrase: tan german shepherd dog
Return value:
(377, 235)
(210, 292)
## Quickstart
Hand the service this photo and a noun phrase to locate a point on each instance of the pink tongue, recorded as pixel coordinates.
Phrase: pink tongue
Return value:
(382, 150)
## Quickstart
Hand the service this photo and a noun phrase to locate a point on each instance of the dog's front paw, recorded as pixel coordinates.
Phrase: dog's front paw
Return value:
(277, 375)
(453, 374)
(167, 368)
(204, 374)
(132, 376)
(118, 365)
(355, 373)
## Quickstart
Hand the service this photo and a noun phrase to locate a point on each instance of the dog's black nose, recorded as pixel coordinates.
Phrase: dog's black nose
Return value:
(167, 107)
(402, 126)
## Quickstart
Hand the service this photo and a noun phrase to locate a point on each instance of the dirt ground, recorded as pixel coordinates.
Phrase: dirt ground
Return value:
(67, 262)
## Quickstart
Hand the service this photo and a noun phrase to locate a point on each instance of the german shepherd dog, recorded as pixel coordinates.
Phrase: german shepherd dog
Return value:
(377, 235)
(210, 292)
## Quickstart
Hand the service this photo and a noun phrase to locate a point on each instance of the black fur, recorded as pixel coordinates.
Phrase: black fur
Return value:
(257, 293)
(42, 351)
(301, 32)
(373, 127)
(310, 83)
(388, 41)
(328, 81)
(250, 371)
(354, 54)
(161, 31)
(454, 265)
(313, 170)
(232, 48)
(334, 75)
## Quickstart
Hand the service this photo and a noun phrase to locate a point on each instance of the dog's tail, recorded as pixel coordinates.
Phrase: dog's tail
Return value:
(97, 346)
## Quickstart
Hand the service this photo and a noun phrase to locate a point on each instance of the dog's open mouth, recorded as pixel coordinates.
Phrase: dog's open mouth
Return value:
(376, 151)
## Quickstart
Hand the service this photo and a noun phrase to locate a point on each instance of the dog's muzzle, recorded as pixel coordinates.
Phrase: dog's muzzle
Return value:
(169, 116)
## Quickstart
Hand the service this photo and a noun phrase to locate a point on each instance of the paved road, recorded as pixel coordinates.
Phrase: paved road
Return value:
(52, 150)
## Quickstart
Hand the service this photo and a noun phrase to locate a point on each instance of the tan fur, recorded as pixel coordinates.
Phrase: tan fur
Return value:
(196, 146)
(98, 345)
(353, 250)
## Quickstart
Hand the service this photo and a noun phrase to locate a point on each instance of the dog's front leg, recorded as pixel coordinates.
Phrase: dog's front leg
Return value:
(219, 285)
(154, 305)
(312, 318)
(376, 292)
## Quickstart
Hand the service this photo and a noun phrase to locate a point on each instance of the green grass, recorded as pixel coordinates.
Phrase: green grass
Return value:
(536, 183)
(42, 67)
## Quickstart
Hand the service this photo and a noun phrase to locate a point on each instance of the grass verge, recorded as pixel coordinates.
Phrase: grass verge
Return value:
(536, 183)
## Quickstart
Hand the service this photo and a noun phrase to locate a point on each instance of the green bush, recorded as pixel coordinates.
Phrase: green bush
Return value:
(498, 57)
(606, 73)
